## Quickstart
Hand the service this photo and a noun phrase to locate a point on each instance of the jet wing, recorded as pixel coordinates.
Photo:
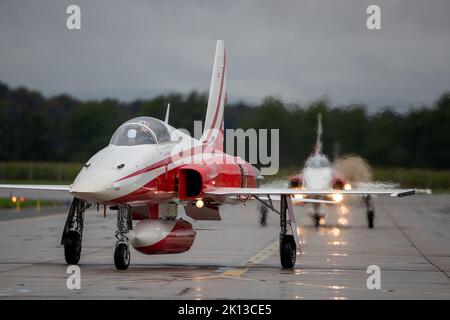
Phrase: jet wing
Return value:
(277, 197)
(37, 187)
(285, 191)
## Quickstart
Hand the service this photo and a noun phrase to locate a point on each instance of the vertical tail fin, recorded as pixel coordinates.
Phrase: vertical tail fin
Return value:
(318, 146)
(213, 128)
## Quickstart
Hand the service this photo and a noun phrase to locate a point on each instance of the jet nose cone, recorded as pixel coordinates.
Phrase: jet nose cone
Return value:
(92, 190)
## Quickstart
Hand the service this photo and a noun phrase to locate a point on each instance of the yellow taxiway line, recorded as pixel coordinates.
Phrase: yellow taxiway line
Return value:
(256, 259)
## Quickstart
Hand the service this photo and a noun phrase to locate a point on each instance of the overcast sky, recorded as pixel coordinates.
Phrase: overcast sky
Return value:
(296, 50)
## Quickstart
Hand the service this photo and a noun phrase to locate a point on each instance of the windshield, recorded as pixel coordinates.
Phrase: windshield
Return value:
(317, 162)
(143, 130)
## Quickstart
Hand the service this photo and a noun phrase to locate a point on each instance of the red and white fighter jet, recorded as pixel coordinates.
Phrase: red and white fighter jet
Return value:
(149, 168)
(318, 174)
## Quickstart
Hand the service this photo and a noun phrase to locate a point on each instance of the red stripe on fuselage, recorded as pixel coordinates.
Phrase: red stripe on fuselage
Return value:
(164, 161)
(156, 165)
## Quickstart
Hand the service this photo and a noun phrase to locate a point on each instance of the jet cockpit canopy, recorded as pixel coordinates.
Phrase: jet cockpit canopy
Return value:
(141, 130)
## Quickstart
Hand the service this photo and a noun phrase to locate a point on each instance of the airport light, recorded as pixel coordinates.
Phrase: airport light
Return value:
(15, 201)
(199, 203)
(337, 197)
(336, 232)
(344, 210)
(21, 199)
(343, 221)
(347, 186)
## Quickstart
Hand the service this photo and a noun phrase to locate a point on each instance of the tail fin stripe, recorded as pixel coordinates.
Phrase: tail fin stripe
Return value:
(219, 101)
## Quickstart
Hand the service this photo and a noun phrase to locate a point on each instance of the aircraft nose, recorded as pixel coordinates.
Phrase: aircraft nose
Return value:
(92, 189)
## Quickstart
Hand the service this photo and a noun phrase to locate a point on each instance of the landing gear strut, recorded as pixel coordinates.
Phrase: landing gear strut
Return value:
(370, 210)
(73, 231)
(288, 249)
(122, 251)
(288, 241)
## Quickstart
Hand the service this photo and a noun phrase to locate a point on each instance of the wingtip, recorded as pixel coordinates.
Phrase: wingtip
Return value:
(405, 193)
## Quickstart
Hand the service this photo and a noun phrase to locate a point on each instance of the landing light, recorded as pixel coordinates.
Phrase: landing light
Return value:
(199, 203)
(337, 197)
(347, 186)
(298, 196)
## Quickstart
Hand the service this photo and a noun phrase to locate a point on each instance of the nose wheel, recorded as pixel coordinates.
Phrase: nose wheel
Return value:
(317, 215)
(316, 220)
(122, 250)
(73, 231)
(72, 247)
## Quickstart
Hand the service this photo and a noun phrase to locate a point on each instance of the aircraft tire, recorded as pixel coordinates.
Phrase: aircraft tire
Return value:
(122, 256)
(288, 252)
(370, 219)
(72, 247)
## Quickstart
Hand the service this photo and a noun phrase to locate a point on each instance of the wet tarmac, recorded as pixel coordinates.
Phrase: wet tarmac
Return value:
(237, 258)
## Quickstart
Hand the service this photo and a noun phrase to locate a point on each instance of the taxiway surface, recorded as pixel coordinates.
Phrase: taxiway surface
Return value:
(237, 258)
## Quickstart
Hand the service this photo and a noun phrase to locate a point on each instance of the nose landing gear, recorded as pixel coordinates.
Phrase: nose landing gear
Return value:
(73, 231)
(317, 215)
(122, 250)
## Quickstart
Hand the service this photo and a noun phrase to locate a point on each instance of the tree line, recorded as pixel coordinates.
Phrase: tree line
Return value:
(62, 128)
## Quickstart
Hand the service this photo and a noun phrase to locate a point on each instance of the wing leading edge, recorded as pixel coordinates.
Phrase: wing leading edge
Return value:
(42, 187)
(285, 191)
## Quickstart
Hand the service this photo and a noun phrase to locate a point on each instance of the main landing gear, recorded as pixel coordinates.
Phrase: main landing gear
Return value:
(288, 251)
(288, 248)
(73, 231)
(288, 238)
(370, 210)
(122, 251)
